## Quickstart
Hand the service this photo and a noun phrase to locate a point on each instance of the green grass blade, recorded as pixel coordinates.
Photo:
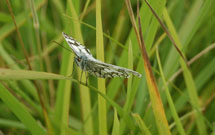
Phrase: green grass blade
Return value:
(130, 94)
(85, 9)
(192, 91)
(84, 92)
(116, 124)
(20, 20)
(8, 74)
(21, 112)
(102, 111)
(186, 32)
(11, 123)
(141, 124)
(71, 105)
(5, 18)
(169, 98)
(64, 90)
(12, 64)
(201, 79)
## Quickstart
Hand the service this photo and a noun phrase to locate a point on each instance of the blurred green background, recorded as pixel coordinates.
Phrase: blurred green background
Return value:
(72, 108)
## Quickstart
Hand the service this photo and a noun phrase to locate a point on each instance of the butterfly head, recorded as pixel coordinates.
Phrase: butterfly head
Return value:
(81, 61)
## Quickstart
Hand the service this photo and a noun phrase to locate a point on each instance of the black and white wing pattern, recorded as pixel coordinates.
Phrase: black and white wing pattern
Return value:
(87, 62)
(104, 70)
(77, 47)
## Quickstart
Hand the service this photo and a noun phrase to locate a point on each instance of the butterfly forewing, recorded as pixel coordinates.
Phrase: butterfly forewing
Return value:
(77, 47)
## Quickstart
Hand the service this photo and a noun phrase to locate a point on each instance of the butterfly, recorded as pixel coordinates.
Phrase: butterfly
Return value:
(85, 60)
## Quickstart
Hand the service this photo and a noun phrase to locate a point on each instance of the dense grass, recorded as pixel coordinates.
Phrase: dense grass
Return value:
(39, 98)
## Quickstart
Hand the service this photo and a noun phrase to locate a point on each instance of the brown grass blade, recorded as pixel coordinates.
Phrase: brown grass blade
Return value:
(157, 105)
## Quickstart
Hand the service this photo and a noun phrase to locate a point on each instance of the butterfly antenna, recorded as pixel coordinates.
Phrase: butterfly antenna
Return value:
(62, 46)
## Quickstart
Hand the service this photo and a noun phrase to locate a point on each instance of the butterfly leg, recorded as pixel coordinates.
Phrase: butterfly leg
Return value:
(81, 75)
(86, 78)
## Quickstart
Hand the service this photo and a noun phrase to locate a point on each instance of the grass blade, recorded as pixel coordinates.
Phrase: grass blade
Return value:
(157, 105)
(130, 95)
(169, 98)
(165, 29)
(42, 102)
(188, 79)
(11, 123)
(21, 112)
(101, 82)
(9, 74)
(84, 92)
(116, 124)
(141, 124)
(29, 85)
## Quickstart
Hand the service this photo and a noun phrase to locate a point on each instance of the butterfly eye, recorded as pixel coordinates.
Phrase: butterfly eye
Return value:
(79, 60)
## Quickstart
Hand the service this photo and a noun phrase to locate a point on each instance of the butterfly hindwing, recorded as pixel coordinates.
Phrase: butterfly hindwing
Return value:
(104, 70)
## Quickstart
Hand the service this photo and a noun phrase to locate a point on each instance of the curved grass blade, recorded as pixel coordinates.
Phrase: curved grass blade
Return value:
(9, 74)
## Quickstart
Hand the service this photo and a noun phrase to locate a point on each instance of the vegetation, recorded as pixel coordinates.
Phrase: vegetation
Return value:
(171, 43)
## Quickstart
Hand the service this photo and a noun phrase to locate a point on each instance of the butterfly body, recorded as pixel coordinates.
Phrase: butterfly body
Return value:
(87, 62)
(81, 62)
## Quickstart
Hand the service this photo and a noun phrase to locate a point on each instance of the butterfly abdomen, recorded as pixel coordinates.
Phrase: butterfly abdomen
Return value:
(136, 74)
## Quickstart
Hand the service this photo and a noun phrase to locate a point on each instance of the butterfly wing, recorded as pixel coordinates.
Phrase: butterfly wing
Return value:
(96, 67)
(104, 70)
(77, 47)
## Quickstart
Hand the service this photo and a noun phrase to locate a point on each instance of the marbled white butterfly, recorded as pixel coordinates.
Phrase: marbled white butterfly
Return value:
(87, 62)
